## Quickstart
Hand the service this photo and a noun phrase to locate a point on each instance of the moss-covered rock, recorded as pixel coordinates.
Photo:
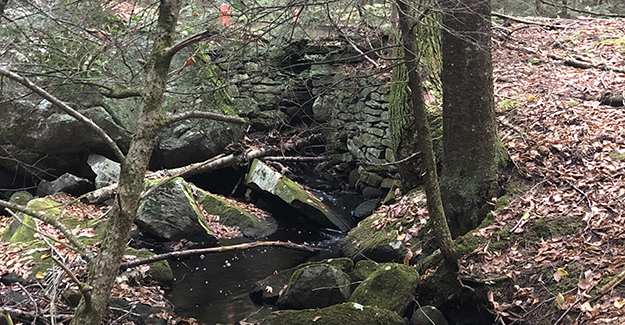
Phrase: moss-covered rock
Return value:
(170, 213)
(316, 286)
(24, 231)
(231, 215)
(390, 287)
(266, 179)
(268, 289)
(159, 271)
(363, 269)
(345, 314)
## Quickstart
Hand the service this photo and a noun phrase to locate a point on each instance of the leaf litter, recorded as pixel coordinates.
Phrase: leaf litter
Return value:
(569, 225)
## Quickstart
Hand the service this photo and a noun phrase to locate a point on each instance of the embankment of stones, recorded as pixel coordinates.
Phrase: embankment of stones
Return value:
(329, 86)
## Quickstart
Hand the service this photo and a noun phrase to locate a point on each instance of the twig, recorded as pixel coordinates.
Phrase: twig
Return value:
(78, 245)
(191, 252)
(85, 289)
(613, 283)
(294, 159)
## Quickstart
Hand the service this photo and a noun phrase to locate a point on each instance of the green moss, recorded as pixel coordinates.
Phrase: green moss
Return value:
(390, 287)
(615, 156)
(19, 232)
(231, 215)
(345, 314)
(559, 226)
(509, 103)
(159, 271)
(364, 268)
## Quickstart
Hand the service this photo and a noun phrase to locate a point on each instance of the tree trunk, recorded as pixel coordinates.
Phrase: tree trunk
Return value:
(415, 100)
(104, 269)
(401, 118)
(473, 156)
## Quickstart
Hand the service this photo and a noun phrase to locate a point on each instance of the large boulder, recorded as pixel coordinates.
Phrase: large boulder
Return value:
(36, 133)
(253, 226)
(264, 178)
(315, 286)
(193, 140)
(387, 236)
(268, 289)
(348, 313)
(170, 213)
(390, 287)
(428, 315)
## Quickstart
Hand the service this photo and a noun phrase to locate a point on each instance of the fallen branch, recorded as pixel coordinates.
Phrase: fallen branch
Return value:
(207, 115)
(569, 61)
(294, 159)
(214, 163)
(523, 21)
(192, 252)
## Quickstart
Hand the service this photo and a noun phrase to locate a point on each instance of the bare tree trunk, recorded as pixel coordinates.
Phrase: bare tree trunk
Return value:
(105, 267)
(473, 156)
(423, 136)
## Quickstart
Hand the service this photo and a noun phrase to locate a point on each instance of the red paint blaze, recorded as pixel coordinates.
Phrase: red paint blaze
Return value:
(225, 15)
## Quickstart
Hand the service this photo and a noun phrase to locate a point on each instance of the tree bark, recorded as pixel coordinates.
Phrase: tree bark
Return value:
(473, 156)
(105, 266)
(417, 104)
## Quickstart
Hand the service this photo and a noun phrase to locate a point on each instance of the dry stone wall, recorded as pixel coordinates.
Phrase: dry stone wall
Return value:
(348, 102)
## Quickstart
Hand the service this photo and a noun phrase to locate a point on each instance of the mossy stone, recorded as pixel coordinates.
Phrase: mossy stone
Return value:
(364, 268)
(390, 287)
(345, 314)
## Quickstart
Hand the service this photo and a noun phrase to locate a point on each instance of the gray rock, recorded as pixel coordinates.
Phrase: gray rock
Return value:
(371, 179)
(51, 140)
(106, 170)
(268, 289)
(365, 209)
(371, 192)
(194, 140)
(66, 183)
(428, 315)
(315, 286)
(229, 214)
(170, 213)
(322, 108)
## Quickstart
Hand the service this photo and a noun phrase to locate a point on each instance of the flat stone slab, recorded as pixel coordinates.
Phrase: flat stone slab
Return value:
(266, 179)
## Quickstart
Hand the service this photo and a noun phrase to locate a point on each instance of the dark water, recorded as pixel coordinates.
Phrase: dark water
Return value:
(214, 288)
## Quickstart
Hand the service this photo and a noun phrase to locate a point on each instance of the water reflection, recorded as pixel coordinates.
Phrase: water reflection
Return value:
(214, 289)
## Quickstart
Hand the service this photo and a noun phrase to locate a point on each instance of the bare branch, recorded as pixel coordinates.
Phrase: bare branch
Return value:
(191, 252)
(65, 108)
(188, 41)
(208, 115)
(85, 289)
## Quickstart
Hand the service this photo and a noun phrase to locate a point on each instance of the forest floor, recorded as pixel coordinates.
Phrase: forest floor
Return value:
(563, 227)
(566, 225)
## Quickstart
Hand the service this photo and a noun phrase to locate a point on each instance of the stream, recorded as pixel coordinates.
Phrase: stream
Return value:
(214, 288)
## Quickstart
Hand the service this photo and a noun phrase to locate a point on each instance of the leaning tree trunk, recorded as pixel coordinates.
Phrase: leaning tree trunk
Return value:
(104, 268)
(423, 139)
(473, 155)
(402, 124)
